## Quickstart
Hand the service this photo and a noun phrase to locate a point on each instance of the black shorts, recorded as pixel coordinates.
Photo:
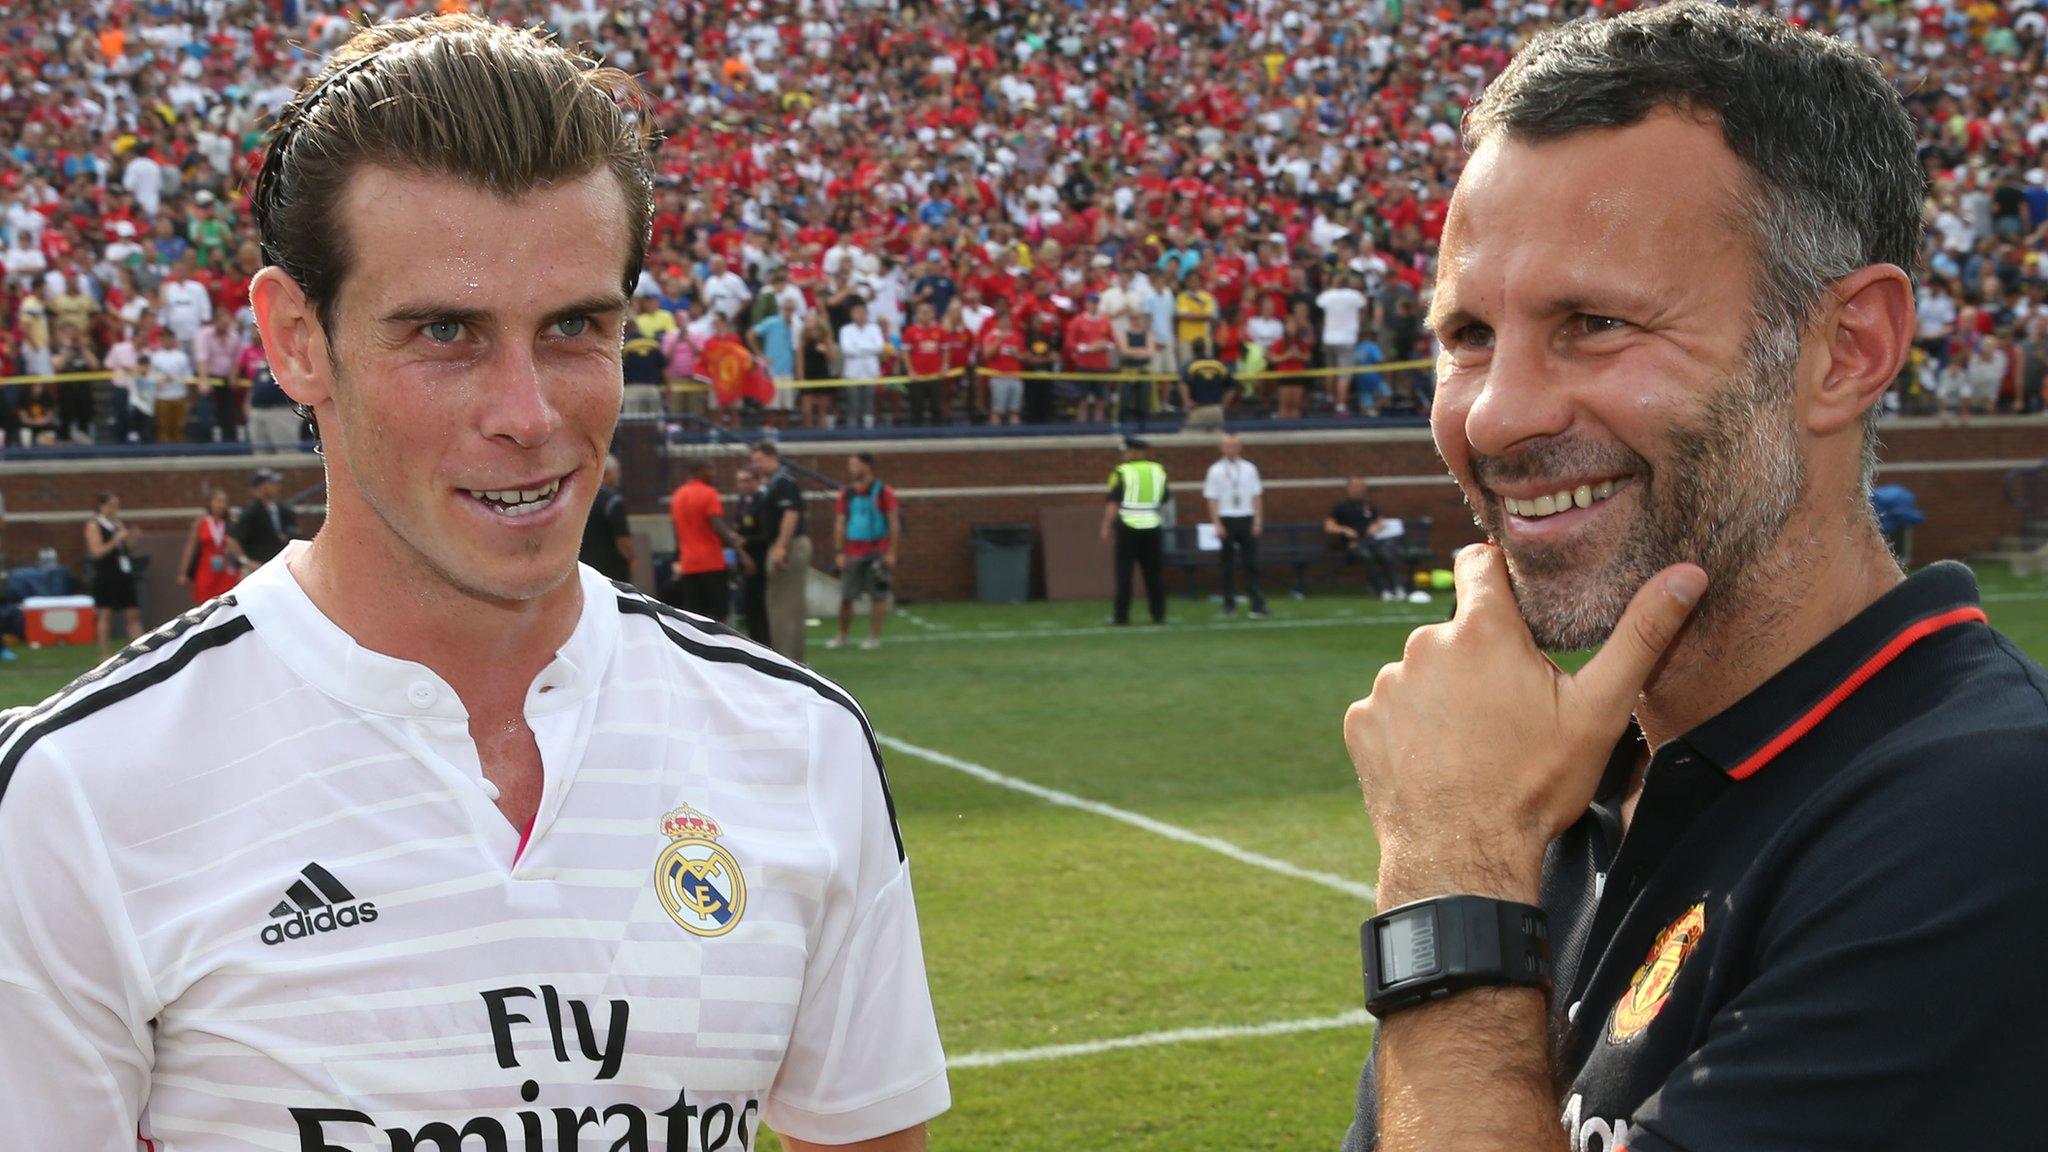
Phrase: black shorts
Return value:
(706, 593)
(114, 591)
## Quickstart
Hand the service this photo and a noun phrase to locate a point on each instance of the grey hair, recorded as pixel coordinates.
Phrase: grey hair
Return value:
(1835, 182)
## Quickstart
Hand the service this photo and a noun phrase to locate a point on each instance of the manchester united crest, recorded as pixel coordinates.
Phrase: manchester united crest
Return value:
(699, 882)
(1651, 986)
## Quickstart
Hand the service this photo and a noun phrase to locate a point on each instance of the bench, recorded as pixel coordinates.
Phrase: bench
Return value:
(1298, 546)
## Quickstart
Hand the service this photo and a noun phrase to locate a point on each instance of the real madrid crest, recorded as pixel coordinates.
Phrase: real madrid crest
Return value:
(698, 881)
(1651, 986)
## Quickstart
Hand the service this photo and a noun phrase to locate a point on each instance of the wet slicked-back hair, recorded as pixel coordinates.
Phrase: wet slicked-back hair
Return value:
(502, 108)
(1829, 149)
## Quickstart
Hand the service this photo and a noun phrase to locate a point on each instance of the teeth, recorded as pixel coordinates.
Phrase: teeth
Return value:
(518, 501)
(1583, 496)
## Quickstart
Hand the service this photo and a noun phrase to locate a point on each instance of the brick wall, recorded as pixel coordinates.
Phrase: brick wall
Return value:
(951, 487)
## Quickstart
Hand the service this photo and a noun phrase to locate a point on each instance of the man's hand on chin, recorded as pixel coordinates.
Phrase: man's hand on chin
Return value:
(1475, 750)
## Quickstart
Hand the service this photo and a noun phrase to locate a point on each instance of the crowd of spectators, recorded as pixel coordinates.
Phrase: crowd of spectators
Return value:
(997, 200)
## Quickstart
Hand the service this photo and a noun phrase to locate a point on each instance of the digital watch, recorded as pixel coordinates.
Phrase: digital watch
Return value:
(1431, 948)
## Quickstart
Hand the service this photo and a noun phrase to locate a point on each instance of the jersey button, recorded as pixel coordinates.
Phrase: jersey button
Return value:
(422, 694)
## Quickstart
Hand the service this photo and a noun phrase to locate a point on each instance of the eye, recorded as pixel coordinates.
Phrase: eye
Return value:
(1597, 325)
(442, 331)
(1474, 337)
(573, 327)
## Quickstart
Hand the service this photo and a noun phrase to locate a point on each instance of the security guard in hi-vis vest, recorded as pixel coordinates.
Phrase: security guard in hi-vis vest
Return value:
(1137, 493)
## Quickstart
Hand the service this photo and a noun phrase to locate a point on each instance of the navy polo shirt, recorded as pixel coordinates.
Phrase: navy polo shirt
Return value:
(1827, 925)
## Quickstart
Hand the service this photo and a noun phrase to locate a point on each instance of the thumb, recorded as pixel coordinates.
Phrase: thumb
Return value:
(1616, 674)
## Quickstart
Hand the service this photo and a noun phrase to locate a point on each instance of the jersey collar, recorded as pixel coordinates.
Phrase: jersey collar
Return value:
(328, 658)
(1745, 738)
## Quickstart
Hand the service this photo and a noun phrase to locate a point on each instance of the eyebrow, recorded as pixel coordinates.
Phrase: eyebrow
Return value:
(1616, 301)
(1441, 319)
(436, 313)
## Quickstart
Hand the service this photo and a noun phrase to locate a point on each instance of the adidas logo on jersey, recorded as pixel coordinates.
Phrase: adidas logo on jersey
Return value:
(315, 903)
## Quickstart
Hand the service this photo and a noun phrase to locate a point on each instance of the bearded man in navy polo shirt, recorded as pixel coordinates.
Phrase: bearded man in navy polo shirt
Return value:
(1768, 871)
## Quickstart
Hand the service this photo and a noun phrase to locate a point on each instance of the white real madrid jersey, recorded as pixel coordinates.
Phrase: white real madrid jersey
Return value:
(254, 894)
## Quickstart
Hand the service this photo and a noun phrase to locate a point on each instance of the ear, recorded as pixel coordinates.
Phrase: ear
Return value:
(1869, 332)
(293, 338)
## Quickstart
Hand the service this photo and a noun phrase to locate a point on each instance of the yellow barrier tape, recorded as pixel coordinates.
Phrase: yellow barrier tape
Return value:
(70, 377)
(699, 385)
(1130, 377)
(1354, 370)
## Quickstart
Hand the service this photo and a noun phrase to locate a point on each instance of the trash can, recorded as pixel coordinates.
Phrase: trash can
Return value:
(1002, 563)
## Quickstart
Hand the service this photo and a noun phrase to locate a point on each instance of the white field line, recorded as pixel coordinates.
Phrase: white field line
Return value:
(1044, 630)
(1047, 631)
(2011, 597)
(912, 617)
(1356, 1018)
(988, 775)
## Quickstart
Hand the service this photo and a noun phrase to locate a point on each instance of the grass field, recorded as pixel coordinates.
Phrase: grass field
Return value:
(1156, 948)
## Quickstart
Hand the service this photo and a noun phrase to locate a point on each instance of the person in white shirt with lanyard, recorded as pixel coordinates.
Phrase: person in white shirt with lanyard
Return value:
(424, 836)
(1237, 511)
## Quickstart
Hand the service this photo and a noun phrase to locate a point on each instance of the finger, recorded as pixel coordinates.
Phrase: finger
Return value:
(1615, 675)
(1480, 576)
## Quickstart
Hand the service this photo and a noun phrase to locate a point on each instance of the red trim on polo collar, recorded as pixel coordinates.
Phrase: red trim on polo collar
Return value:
(1911, 635)
(525, 834)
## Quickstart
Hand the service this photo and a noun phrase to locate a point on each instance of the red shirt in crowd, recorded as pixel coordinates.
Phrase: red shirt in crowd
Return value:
(1271, 282)
(1091, 342)
(1002, 350)
(1227, 282)
(925, 345)
(959, 347)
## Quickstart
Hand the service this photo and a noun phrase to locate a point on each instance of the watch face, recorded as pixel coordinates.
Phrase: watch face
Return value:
(1408, 947)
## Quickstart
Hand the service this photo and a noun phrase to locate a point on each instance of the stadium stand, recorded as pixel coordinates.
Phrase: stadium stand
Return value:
(1269, 175)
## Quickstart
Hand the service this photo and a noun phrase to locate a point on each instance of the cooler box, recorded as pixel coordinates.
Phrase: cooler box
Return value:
(58, 619)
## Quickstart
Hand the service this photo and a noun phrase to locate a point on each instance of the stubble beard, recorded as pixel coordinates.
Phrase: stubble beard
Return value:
(414, 542)
(1733, 481)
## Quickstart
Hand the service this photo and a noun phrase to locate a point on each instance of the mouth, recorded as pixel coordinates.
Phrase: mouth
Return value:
(1565, 499)
(514, 503)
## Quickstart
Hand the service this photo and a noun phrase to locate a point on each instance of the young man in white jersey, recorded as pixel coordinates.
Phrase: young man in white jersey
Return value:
(425, 837)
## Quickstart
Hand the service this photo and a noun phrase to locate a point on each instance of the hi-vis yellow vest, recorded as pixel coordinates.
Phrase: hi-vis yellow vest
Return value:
(1144, 492)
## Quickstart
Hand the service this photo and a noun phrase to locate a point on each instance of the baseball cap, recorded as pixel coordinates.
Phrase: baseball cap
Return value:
(266, 476)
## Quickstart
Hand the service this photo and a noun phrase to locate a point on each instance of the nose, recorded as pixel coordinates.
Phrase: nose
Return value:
(516, 403)
(1520, 397)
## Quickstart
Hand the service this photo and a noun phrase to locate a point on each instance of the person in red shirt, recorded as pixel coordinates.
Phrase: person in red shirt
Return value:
(1228, 276)
(1002, 357)
(1091, 347)
(1273, 278)
(1291, 353)
(817, 232)
(925, 346)
(702, 536)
